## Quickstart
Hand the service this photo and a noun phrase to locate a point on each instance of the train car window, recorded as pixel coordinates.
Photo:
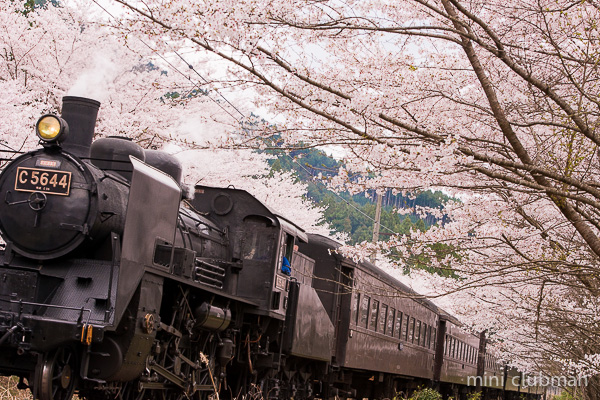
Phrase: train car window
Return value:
(411, 330)
(405, 327)
(424, 335)
(460, 350)
(428, 345)
(398, 325)
(382, 318)
(457, 350)
(355, 308)
(452, 346)
(390, 322)
(433, 334)
(417, 338)
(446, 345)
(364, 311)
(374, 315)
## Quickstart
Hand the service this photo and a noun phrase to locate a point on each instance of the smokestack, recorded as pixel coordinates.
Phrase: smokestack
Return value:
(80, 113)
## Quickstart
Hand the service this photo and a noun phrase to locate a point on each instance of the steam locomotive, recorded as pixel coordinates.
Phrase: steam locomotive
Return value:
(116, 283)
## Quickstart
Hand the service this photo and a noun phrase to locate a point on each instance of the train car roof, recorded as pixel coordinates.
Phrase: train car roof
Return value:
(384, 276)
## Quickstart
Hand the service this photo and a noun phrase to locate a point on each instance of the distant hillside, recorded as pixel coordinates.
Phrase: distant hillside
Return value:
(353, 214)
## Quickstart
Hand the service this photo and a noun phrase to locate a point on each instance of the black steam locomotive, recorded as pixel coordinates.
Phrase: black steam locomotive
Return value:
(116, 284)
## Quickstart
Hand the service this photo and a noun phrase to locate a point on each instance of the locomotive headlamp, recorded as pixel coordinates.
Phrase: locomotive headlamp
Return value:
(51, 128)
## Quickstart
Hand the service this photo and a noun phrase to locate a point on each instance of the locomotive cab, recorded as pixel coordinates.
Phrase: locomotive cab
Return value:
(261, 242)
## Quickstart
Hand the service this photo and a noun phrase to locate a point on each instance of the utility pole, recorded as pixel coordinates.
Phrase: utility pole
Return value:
(377, 224)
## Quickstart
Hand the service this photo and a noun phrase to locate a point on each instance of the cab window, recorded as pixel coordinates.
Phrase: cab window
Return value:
(257, 246)
(286, 253)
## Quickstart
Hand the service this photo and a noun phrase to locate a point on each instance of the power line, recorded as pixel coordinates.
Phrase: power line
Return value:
(240, 122)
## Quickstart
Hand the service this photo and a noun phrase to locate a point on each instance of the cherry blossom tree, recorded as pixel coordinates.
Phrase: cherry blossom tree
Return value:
(51, 52)
(249, 171)
(494, 102)
(207, 160)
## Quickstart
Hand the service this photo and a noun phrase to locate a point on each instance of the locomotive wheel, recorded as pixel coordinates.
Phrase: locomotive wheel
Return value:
(57, 375)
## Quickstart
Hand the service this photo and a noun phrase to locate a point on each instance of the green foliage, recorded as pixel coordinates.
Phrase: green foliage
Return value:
(176, 95)
(566, 395)
(422, 261)
(425, 394)
(348, 216)
(474, 396)
(355, 215)
(352, 214)
(31, 5)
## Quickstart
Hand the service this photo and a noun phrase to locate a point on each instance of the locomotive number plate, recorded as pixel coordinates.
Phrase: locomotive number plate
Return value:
(280, 282)
(43, 180)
